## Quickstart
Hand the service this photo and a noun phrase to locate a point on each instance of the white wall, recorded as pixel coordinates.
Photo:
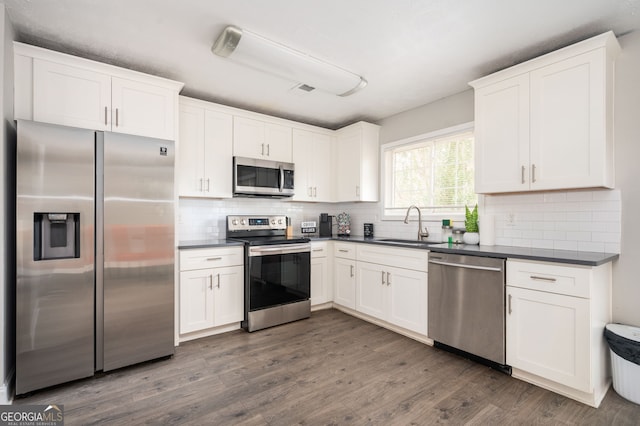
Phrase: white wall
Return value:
(626, 275)
(447, 112)
(7, 209)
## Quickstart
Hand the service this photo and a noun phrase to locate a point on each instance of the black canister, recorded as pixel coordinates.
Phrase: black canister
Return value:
(368, 230)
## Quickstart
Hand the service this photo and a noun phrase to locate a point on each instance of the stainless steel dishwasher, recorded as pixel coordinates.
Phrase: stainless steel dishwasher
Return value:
(467, 306)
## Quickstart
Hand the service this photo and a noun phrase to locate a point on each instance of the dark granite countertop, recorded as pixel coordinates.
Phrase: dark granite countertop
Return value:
(546, 255)
(194, 244)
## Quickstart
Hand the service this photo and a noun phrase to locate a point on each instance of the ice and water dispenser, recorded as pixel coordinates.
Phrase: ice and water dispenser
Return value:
(56, 236)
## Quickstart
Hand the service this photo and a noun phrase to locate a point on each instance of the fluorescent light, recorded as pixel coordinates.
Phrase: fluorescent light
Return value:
(257, 52)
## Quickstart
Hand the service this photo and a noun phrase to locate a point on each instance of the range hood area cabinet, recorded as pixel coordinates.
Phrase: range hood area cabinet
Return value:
(547, 123)
(204, 164)
(356, 161)
(56, 88)
(261, 140)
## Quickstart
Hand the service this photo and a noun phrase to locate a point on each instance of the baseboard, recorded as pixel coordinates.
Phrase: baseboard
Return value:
(407, 333)
(592, 399)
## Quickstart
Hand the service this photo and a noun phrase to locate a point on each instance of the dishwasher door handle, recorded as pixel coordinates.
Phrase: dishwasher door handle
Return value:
(465, 266)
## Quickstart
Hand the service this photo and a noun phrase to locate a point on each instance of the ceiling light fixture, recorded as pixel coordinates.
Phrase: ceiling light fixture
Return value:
(265, 55)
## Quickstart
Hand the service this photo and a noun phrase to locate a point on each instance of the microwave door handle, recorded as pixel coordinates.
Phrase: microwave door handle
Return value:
(281, 171)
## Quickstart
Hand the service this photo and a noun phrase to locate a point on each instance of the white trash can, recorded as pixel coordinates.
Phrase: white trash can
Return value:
(624, 342)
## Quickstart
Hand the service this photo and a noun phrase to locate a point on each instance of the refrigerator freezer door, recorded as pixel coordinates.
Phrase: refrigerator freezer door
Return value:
(54, 297)
(138, 249)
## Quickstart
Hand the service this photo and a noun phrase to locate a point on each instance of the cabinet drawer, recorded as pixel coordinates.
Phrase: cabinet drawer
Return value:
(344, 250)
(417, 259)
(550, 277)
(319, 250)
(211, 258)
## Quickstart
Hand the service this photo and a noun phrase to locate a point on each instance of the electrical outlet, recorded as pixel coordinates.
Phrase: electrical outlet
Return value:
(511, 219)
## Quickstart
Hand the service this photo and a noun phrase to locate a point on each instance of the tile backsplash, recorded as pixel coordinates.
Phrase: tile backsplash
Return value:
(582, 220)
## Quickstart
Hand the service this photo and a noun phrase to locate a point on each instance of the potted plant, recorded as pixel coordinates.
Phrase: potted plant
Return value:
(471, 224)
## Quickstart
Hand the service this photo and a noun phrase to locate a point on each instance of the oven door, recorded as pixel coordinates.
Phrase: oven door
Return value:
(278, 274)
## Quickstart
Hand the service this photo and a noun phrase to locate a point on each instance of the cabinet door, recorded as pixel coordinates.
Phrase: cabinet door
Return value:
(142, 109)
(303, 159)
(190, 167)
(278, 142)
(71, 96)
(502, 136)
(322, 187)
(347, 156)
(320, 281)
(345, 282)
(228, 295)
(196, 301)
(548, 335)
(371, 289)
(248, 138)
(568, 117)
(407, 299)
(217, 156)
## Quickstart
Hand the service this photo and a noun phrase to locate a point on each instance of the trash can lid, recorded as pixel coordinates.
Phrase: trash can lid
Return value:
(626, 331)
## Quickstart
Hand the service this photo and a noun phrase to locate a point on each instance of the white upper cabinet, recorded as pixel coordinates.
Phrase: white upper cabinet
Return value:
(259, 139)
(502, 136)
(204, 164)
(356, 162)
(312, 159)
(72, 96)
(142, 109)
(61, 89)
(548, 123)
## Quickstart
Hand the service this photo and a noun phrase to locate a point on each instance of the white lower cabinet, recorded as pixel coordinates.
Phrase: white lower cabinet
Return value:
(548, 335)
(321, 284)
(395, 294)
(211, 288)
(344, 273)
(555, 322)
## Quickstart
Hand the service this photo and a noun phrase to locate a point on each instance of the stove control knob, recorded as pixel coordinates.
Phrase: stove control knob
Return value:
(279, 221)
(243, 222)
(273, 221)
(234, 221)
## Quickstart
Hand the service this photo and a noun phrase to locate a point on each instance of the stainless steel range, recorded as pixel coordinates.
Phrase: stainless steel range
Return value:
(277, 271)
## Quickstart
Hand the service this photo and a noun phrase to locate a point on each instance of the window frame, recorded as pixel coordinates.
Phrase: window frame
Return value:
(385, 183)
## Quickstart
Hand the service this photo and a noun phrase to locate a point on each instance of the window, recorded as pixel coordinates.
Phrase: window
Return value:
(433, 171)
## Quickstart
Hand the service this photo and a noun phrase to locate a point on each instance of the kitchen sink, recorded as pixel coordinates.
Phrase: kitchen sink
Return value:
(412, 243)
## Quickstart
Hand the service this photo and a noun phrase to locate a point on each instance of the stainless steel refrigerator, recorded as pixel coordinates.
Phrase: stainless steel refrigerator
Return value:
(95, 252)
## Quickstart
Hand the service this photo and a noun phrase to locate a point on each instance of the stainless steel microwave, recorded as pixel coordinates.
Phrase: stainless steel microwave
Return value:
(262, 178)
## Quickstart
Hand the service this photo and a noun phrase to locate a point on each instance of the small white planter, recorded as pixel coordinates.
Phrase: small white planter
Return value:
(471, 238)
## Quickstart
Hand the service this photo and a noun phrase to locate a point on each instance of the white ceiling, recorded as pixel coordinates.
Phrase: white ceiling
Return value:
(412, 52)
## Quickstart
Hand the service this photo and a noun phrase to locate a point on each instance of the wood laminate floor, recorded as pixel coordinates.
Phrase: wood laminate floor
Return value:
(329, 369)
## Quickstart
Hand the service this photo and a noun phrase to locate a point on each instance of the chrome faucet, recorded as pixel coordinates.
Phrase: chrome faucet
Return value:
(421, 234)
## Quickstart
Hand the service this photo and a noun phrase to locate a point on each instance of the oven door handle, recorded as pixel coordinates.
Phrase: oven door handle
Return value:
(279, 249)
